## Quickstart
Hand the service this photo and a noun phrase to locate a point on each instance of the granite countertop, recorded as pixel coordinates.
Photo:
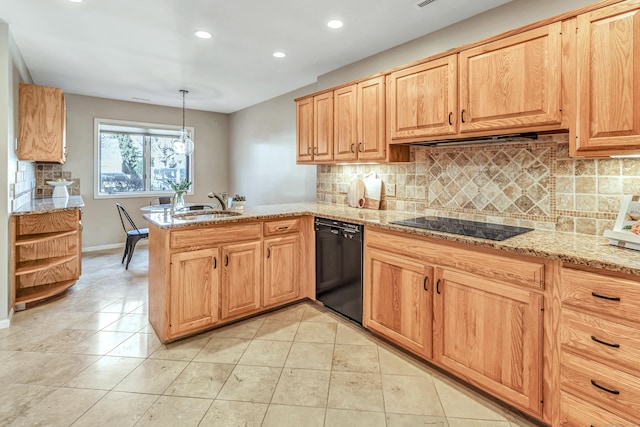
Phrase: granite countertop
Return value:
(49, 204)
(593, 251)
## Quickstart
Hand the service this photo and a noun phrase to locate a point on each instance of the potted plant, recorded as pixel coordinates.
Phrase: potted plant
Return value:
(238, 202)
(179, 188)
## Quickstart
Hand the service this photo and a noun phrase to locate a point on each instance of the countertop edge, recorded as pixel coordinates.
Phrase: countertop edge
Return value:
(48, 205)
(571, 248)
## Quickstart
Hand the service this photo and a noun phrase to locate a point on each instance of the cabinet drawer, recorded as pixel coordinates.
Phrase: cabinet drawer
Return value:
(47, 222)
(601, 385)
(578, 413)
(273, 228)
(605, 295)
(510, 269)
(208, 236)
(595, 338)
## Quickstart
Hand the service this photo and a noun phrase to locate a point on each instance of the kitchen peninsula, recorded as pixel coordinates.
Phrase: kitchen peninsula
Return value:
(417, 284)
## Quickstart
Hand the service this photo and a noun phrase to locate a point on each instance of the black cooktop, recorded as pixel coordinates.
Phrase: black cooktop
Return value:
(467, 228)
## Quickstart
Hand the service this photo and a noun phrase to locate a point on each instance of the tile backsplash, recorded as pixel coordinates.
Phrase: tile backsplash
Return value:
(532, 183)
(51, 172)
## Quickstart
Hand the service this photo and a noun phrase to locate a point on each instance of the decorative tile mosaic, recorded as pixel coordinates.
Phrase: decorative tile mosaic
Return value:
(50, 172)
(532, 184)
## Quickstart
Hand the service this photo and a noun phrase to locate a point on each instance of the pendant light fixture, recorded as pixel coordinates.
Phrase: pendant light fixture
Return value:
(183, 144)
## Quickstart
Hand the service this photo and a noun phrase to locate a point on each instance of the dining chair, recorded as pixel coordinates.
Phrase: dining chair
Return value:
(160, 200)
(134, 234)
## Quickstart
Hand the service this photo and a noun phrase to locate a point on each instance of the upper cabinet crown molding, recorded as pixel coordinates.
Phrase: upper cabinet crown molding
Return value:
(42, 135)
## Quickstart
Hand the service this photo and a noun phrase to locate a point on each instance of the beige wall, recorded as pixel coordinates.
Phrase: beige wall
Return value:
(263, 136)
(12, 72)
(263, 154)
(504, 18)
(102, 227)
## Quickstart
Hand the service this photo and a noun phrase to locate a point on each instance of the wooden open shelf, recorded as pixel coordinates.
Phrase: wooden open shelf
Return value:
(43, 237)
(27, 295)
(28, 267)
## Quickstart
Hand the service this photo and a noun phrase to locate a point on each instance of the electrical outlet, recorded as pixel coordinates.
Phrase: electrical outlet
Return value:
(389, 189)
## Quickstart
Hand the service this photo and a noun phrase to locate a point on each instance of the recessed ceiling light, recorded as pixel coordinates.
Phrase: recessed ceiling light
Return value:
(76, 1)
(279, 54)
(335, 23)
(202, 34)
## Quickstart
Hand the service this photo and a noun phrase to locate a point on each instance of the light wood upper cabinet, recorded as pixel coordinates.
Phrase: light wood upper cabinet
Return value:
(345, 138)
(423, 100)
(194, 290)
(397, 300)
(512, 83)
(490, 334)
(281, 269)
(608, 95)
(323, 127)
(241, 279)
(42, 136)
(304, 130)
(359, 128)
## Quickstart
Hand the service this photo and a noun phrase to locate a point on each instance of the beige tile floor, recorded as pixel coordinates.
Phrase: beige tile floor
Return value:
(90, 358)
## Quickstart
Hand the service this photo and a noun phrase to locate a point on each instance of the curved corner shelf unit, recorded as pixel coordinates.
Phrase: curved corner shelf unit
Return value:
(46, 253)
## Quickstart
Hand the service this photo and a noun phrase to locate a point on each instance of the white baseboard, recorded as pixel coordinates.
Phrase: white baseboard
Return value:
(143, 242)
(5, 323)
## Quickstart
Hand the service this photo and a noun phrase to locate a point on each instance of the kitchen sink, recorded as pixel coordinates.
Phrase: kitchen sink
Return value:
(204, 215)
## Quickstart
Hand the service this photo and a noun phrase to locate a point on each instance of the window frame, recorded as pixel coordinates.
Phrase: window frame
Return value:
(173, 131)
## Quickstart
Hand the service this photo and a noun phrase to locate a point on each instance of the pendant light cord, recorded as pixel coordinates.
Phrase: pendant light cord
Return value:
(184, 92)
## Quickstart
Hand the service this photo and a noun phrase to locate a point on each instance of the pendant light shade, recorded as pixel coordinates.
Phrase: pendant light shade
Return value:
(183, 144)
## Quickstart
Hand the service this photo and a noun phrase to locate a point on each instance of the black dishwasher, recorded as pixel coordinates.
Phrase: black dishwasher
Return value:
(339, 266)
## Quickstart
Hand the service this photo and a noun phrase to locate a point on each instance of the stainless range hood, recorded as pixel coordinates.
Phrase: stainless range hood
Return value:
(514, 137)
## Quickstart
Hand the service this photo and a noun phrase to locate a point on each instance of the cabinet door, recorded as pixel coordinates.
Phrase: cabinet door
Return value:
(491, 335)
(608, 99)
(423, 100)
(512, 83)
(372, 140)
(304, 129)
(323, 127)
(194, 291)
(345, 138)
(397, 300)
(281, 270)
(42, 124)
(241, 279)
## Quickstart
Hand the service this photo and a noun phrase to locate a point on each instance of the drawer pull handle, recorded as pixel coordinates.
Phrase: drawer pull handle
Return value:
(284, 227)
(450, 114)
(438, 286)
(424, 284)
(353, 147)
(268, 252)
(215, 263)
(595, 384)
(605, 343)
(226, 260)
(604, 297)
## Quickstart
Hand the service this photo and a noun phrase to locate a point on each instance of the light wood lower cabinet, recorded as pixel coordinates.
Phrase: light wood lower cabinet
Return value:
(281, 269)
(241, 279)
(195, 286)
(205, 276)
(600, 338)
(397, 300)
(46, 254)
(476, 313)
(490, 334)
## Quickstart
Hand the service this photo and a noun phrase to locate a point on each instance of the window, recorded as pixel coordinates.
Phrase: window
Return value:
(137, 159)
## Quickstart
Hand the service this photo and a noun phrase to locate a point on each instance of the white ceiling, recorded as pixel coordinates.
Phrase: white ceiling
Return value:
(145, 51)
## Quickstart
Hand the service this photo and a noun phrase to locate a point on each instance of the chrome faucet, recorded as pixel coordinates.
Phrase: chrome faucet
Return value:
(222, 198)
